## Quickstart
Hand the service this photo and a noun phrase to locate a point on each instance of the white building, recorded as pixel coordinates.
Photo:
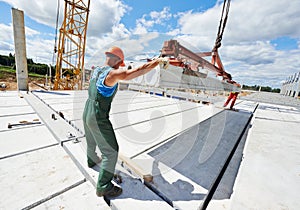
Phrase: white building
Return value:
(291, 87)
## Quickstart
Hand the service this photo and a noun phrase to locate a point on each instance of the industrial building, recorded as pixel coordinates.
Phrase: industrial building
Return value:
(291, 87)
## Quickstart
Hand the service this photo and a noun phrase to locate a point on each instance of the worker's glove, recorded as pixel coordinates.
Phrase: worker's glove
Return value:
(164, 62)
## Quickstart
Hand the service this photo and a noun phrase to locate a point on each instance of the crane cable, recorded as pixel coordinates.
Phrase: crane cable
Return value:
(56, 26)
(222, 25)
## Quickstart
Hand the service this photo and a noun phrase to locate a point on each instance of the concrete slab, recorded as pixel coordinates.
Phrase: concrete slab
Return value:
(77, 151)
(66, 106)
(244, 106)
(4, 121)
(184, 168)
(284, 113)
(12, 101)
(8, 93)
(135, 115)
(12, 111)
(79, 197)
(135, 194)
(206, 147)
(76, 113)
(223, 194)
(59, 128)
(240, 105)
(177, 189)
(140, 105)
(124, 119)
(28, 179)
(272, 98)
(70, 105)
(137, 138)
(269, 174)
(17, 141)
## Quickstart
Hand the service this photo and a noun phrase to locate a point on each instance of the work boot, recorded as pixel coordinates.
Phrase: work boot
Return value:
(92, 163)
(113, 192)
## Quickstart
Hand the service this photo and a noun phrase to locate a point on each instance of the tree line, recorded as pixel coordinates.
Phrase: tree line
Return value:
(37, 68)
(261, 88)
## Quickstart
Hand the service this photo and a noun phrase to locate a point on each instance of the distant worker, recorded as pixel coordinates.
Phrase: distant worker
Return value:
(98, 128)
(232, 96)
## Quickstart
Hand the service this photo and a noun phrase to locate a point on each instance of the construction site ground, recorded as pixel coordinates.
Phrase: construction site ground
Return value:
(10, 81)
(199, 154)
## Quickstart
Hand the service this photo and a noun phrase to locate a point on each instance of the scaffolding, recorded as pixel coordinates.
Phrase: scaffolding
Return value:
(71, 46)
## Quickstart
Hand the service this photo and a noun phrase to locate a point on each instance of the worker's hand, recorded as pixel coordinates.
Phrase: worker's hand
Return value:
(164, 62)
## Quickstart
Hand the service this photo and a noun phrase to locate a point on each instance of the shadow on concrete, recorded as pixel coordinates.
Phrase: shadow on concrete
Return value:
(133, 188)
(178, 190)
(201, 152)
(51, 92)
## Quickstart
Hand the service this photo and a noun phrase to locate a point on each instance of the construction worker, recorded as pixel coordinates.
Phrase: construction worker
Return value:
(98, 128)
(232, 96)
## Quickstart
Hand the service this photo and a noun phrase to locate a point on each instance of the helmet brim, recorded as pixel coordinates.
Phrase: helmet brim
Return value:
(122, 64)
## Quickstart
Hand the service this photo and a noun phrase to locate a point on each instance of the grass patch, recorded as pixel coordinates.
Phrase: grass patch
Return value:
(9, 70)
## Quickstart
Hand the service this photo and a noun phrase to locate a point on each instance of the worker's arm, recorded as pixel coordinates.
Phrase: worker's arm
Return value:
(116, 75)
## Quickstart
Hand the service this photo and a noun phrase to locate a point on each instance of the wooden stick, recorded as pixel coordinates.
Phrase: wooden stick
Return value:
(134, 169)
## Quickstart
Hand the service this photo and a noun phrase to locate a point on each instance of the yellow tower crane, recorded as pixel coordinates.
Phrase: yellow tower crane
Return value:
(71, 46)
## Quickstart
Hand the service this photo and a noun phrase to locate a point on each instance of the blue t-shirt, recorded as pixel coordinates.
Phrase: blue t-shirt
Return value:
(104, 90)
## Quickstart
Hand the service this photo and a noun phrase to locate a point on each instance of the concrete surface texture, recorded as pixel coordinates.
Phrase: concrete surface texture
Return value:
(201, 156)
(174, 78)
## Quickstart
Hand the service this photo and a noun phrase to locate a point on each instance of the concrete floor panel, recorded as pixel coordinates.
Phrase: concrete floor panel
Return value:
(16, 141)
(29, 178)
(199, 154)
(269, 175)
(79, 197)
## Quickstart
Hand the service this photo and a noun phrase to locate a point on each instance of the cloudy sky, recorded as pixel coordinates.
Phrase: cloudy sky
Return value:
(260, 46)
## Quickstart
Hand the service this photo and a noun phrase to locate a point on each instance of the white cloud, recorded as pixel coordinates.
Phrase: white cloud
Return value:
(140, 29)
(160, 17)
(248, 21)
(132, 46)
(6, 48)
(252, 53)
(7, 44)
(262, 20)
(105, 16)
(6, 32)
(40, 50)
(31, 32)
(41, 11)
(147, 22)
(260, 63)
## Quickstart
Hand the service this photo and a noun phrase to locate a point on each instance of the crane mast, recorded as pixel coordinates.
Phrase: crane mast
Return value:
(71, 46)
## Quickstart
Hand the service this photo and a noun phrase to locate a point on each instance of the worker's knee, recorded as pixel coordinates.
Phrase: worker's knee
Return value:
(110, 150)
(112, 157)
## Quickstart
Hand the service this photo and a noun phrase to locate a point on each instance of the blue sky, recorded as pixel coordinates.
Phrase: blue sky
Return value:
(260, 46)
